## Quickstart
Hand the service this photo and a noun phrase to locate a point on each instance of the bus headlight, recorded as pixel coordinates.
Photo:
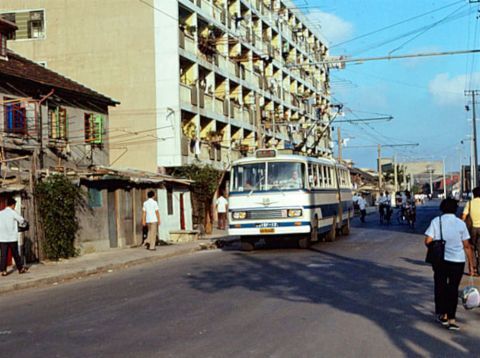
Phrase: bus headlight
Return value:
(239, 215)
(294, 213)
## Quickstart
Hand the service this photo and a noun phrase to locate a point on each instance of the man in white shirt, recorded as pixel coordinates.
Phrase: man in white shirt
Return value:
(151, 219)
(362, 204)
(9, 220)
(222, 206)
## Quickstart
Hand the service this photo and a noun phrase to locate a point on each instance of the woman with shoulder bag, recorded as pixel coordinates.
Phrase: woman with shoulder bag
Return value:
(448, 270)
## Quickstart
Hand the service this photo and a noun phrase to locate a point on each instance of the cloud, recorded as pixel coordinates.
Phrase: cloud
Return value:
(449, 91)
(415, 62)
(334, 28)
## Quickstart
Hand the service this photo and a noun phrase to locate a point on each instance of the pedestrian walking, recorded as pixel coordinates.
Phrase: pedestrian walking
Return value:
(447, 272)
(471, 212)
(222, 207)
(362, 204)
(151, 219)
(9, 221)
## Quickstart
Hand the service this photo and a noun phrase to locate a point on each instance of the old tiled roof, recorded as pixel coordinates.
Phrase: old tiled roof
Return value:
(24, 69)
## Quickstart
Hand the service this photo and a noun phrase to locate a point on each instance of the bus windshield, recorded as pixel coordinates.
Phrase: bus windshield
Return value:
(281, 175)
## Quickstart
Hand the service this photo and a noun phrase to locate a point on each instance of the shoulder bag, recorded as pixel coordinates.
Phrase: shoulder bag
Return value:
(25, 226)
(436, 249)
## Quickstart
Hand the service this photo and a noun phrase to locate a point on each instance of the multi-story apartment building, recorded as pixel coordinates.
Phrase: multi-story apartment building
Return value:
(207, 80)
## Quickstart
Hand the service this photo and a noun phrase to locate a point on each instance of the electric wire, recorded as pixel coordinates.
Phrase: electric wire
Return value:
(395, 24)
(428, 28)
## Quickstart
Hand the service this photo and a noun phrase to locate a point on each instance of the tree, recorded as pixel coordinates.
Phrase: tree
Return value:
(206, 180)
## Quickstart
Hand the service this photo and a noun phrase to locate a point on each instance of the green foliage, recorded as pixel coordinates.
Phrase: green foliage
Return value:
(58, 201)
(206, 180)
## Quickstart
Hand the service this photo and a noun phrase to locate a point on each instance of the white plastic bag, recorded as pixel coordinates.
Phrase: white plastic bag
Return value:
(470, 297)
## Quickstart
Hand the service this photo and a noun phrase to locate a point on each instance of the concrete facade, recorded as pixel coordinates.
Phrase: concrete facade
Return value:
(197, 80)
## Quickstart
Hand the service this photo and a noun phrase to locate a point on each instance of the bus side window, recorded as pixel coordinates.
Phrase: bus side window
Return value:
(317, 176)
(311, 175)
(323, 176)
(329, 176)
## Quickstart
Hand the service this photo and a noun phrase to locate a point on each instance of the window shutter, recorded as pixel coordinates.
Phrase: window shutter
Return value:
(98, 129)
(62, 123)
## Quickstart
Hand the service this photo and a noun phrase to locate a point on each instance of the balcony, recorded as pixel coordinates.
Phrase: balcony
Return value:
(219, 14)
(236, 112)
(205, 6)
(221, 106)
(209, 102)
(188, 94)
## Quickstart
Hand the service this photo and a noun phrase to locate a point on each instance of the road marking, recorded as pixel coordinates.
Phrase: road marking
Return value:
(319, 265)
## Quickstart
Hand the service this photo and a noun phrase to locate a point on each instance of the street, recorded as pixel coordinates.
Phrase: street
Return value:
(367, 295)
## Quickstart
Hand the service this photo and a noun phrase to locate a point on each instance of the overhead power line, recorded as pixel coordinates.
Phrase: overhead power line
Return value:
(343, 60)
(396, 24)
(388, 118)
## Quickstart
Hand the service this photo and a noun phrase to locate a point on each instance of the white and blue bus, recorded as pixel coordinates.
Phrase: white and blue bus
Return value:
(276, 196)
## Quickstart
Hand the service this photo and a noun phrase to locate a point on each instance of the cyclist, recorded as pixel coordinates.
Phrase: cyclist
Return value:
(409, 208)
(384, 207)
(472, 209)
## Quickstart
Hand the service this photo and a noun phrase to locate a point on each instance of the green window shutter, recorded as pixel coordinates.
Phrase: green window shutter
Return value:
(94, 198)
(98, 129)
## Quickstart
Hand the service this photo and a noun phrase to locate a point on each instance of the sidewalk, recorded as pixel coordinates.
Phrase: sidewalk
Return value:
(54, 272)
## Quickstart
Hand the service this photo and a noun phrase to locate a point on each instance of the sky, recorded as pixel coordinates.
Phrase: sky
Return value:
(424, 95)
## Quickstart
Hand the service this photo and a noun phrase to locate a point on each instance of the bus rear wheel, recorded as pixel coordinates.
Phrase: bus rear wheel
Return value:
(345, 230)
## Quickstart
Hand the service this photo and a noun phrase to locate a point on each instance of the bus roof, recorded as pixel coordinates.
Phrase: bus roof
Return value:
(287, 157)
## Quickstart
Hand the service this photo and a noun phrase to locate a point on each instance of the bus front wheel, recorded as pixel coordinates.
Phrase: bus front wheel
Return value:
(304, 243)
(247, 245)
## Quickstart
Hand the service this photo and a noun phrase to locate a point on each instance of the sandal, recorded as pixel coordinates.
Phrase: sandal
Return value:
(23, 270)
(4, 273)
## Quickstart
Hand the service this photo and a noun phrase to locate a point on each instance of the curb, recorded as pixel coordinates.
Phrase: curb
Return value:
(41, 282)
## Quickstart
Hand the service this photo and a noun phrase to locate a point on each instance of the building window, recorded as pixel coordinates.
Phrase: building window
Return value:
(169, 201)
(94, 128)
(15, 117)
(95, 198)
(57, 123)
(31, 24)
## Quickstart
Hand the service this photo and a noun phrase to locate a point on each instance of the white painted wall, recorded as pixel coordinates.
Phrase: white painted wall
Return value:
(167, 86)
(172, 222)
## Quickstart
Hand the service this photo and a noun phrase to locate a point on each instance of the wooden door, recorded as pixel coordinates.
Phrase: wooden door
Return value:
(112, 219)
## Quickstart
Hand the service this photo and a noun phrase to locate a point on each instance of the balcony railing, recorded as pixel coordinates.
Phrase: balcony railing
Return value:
(185, 93)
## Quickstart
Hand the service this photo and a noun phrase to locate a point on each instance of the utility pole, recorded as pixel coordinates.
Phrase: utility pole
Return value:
(258, 121)
(339, 135)
(474, 166)
(379, 149)
(395, 180)
(444, 180)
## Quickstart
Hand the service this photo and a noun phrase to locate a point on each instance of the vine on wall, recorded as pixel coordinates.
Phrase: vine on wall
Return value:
(58, 201)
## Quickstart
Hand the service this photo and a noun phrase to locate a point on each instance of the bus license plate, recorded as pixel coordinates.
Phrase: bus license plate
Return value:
(267, 230)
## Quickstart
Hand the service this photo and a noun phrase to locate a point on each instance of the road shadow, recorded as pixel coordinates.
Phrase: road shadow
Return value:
(394, 298)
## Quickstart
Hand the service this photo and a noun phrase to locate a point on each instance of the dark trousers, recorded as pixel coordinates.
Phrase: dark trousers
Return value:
(362, 215)
(13, 246)
(447, 276)
(475, 237)
(222, 218)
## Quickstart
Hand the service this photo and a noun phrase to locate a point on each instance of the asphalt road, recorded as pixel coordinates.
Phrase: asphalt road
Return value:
(368, 295)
